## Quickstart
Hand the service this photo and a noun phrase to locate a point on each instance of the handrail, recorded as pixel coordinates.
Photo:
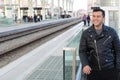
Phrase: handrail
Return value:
(73, 62)
(75, 74)
(119, 32)
(79, 72)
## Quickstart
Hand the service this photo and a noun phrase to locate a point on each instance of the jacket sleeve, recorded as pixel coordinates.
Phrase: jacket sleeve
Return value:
(83, 50)
(116, 46)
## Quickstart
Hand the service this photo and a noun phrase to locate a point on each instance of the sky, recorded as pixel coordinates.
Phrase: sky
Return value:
(80, 4)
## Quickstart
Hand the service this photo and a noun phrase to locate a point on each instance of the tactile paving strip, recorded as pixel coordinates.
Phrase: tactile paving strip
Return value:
(51, 69)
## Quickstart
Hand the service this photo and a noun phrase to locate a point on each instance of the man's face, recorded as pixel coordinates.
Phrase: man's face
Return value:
(97, 18)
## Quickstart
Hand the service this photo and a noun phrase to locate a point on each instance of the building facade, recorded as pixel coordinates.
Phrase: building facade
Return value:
(112, 9)
(11, 8)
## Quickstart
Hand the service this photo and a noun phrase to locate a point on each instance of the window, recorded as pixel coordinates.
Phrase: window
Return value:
(109, 2)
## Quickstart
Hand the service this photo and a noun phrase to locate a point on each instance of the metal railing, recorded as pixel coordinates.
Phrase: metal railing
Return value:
(79, 72)
(73, 62)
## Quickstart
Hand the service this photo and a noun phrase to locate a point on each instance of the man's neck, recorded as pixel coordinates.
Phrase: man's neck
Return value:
(98, 27)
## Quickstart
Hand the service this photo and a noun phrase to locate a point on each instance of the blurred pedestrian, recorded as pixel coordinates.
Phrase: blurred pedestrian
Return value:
(15, 18)
(38, 18)
(35, 18)
(88, 20)
(84, 19)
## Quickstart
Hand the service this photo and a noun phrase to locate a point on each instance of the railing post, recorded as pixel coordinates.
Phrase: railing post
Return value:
(73, 62)
(63, 64)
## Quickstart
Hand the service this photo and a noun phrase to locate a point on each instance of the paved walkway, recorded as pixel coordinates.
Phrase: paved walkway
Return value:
(25, 25)
(20, 25)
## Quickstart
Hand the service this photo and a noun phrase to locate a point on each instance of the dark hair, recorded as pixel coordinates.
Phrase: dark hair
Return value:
(101, 10)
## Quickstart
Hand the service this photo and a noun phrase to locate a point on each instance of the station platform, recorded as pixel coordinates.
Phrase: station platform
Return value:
(23, 25)
(17, 26)
(37, 24)
(43, 63)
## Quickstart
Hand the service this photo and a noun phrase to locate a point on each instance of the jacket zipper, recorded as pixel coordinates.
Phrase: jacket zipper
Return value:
(106, 39)
(97, 55)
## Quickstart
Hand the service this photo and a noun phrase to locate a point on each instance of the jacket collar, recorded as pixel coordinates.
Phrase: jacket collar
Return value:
(92, 32)
(104, 28)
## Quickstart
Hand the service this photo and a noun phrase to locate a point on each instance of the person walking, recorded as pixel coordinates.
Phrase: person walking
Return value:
(88, 20)
(84, 19)
(99, 49)
(35, 18)
(15, 18)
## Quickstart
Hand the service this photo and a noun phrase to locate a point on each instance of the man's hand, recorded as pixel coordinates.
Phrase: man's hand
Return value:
(87, 69)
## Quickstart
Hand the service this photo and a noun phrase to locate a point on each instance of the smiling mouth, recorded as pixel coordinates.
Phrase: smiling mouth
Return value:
(96, 22)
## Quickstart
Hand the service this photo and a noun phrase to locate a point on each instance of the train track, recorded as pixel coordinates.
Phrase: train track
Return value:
(16, 46)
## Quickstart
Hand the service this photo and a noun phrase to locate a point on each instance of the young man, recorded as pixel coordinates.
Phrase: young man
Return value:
(99, 50)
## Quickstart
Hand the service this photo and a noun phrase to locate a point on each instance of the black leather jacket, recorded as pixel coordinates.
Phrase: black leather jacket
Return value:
(102, 51)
